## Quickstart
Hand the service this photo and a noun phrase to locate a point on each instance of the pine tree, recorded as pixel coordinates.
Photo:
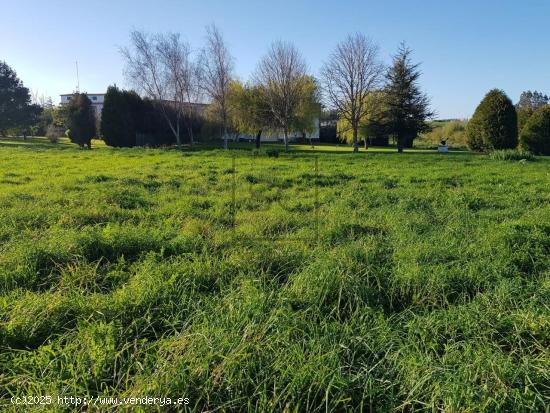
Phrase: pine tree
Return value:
(16, 109)
(81, 120)
(120, 117)
(408, 108)
(532, 100)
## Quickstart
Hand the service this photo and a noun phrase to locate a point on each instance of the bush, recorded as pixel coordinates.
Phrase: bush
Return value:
(272, 153)
(523, 116)
(535, 136)
(52, 133)
(494, 124)
(511, 155)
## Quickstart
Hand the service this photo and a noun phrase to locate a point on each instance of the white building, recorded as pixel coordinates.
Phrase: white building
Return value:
(96, 98)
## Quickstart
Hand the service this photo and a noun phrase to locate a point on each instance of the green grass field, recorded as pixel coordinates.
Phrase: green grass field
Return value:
(314, 281)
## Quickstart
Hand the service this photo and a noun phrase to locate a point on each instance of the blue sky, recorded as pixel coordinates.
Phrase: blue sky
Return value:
(466, 47)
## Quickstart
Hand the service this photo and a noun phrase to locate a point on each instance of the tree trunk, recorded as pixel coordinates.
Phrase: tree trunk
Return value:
(224, 126)
(355, 143)
(366, 144)
(286, 140)
(190, 130)
(178, 140)
(225, 145)
(258, 137)
(175, 130)
(399, 144)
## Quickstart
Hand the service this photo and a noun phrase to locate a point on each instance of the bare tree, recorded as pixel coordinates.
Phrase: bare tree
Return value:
(216, 70)
(38, 98)
(160, 67)
(282, 77)
(183, 77)
(352, 71)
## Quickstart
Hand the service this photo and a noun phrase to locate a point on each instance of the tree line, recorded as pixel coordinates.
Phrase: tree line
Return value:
(172, 84)
(372, 101)
(181, 95)
(499, 124)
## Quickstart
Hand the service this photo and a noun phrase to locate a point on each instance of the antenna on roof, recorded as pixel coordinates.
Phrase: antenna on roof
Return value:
(77, 79)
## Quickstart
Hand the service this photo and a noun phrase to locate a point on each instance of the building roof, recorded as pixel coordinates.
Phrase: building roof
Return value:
(84, 93)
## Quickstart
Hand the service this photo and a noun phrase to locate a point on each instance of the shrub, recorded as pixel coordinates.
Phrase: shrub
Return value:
(523, 116)
(494, 124)
(52, 133)
(535, 136)
(511, 155)
(272, 153)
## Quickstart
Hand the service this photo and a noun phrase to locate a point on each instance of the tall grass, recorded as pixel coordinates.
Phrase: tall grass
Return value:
(511, 155)
(377, 282)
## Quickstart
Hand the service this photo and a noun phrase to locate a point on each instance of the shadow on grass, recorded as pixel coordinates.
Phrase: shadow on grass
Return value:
(37, 142)
(321, 148)
(299, 149)
(382, 151)
(30, 145)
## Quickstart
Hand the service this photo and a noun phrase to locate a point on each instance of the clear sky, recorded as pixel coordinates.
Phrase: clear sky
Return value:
(466, 47)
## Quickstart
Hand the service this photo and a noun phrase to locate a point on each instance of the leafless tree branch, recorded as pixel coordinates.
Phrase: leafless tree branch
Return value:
(161, 68)
(281, 75)
(216, 72)
(352, 71)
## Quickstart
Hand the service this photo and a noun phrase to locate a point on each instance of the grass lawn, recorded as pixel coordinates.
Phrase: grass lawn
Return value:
(318, 280)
